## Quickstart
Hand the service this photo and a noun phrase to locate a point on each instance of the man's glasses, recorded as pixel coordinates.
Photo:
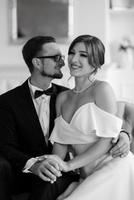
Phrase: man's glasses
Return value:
(56, 58)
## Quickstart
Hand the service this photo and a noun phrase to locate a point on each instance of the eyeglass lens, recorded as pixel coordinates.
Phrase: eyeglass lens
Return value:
(56, 58)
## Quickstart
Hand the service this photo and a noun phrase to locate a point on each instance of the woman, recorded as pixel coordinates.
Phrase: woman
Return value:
(87, 121)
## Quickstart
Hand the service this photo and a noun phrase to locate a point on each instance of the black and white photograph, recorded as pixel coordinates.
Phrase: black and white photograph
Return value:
(66, 99)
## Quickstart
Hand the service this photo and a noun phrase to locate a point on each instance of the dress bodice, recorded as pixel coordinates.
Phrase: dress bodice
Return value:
(87, 124)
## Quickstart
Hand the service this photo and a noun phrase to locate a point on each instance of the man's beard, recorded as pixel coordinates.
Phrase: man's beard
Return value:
(56, 75)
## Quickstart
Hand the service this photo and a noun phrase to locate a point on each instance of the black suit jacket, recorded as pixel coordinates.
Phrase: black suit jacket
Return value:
(21, 136)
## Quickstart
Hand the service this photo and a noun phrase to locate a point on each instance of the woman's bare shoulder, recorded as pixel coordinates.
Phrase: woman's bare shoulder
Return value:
(102, 85)
(102, 88)
(63, 96)
(104, 96)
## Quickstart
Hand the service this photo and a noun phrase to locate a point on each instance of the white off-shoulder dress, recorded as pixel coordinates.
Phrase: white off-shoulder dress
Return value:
(111, 178)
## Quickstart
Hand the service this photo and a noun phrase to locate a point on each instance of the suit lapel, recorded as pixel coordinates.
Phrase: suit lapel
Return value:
(52, 109)
(32, 117)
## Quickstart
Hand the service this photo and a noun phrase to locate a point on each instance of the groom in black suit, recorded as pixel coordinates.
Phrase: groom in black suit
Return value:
(27, 116)
(24, 133)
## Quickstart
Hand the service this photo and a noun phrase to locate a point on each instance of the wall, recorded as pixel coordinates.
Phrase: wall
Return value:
(9, 54)
(89, 18)
(12, 66)
(83, 13)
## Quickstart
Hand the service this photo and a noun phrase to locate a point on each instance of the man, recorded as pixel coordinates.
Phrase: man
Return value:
(26, 121)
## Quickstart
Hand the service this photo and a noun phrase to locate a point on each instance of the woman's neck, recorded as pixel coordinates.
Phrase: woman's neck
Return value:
(83, 83)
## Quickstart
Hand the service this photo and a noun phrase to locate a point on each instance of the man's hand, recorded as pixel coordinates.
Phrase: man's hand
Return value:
(63, 166)
(121, 147)
(46, 169)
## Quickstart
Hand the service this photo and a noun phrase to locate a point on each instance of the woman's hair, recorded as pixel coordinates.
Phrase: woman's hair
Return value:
(95, 50)
(32, 47)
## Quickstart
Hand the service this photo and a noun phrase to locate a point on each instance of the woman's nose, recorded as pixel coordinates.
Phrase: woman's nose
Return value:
(75, 57)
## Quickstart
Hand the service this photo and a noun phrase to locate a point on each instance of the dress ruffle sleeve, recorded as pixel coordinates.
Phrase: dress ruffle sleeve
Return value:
(88, 123)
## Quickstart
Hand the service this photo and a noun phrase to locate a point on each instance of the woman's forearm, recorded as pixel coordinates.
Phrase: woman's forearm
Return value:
(60, 150)
(94, 152)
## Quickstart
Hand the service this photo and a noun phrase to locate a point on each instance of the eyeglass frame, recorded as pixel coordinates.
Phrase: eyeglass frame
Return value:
(56, 58)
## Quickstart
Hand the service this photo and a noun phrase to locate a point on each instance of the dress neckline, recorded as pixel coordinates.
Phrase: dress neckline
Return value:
(84, 105)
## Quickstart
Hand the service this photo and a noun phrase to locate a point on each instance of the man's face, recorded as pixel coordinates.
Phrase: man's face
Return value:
(51, 61)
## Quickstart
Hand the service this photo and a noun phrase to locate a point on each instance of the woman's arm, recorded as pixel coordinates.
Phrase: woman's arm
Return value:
(101, 147)
(122, 146)
(60, 150)
(94, 152)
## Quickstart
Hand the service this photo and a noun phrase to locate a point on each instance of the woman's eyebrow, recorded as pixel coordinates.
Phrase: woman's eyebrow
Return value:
(83, 52)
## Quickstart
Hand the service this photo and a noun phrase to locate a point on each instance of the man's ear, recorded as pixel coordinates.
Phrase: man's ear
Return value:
(36, 62)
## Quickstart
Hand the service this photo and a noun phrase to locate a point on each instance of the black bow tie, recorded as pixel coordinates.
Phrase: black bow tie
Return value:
(49, 92)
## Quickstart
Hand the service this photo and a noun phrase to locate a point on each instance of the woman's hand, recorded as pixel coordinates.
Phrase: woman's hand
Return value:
(121, 147)
(63, 166)
(46, 169)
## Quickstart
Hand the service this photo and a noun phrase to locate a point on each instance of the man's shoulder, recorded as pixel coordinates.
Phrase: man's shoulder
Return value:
(9, 92)
(12, 92)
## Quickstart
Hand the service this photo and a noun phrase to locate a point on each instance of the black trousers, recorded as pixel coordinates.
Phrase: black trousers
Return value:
(16, 183)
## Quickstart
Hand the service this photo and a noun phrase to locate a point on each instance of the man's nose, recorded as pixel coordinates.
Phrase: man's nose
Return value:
(62, 62)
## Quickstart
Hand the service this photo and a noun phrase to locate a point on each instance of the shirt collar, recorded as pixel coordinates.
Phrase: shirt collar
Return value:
(33, 88)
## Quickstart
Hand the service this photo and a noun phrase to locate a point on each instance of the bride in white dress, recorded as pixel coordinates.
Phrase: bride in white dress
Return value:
(87, 121)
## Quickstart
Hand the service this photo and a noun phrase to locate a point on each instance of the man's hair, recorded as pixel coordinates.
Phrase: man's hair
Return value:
(32, 48)
(95, 50)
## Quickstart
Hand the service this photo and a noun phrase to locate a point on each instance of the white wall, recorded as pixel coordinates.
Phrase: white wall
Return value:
(12, 67)
(88, 19)
(9, 54)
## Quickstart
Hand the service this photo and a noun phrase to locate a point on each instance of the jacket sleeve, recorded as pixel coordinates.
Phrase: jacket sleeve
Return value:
(9, 141)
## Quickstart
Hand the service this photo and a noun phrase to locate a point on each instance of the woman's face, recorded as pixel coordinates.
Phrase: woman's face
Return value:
(78, 61)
